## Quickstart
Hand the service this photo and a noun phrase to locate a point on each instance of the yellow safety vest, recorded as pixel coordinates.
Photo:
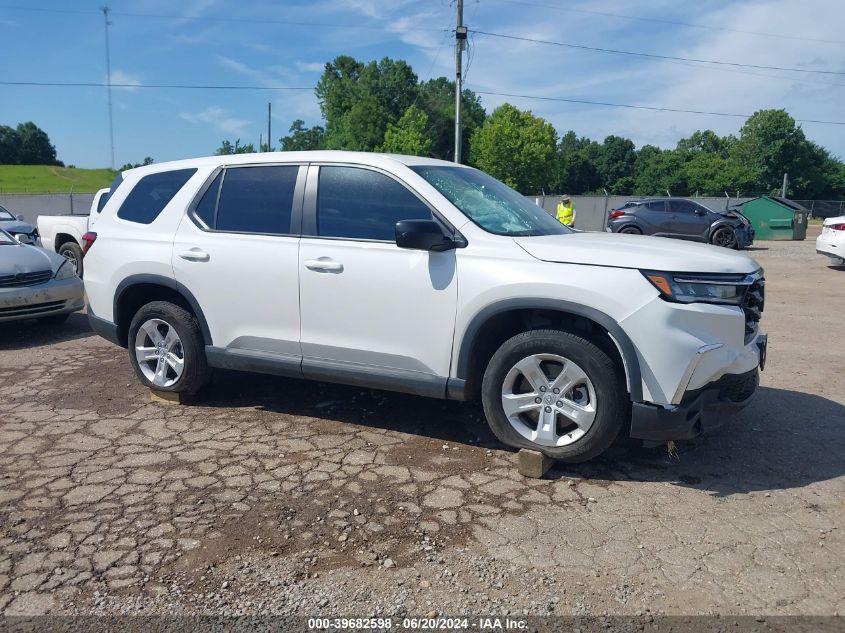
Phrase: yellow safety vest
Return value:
(565, 214)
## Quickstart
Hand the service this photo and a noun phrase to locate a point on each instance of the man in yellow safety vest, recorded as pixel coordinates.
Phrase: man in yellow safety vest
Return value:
(566, 211)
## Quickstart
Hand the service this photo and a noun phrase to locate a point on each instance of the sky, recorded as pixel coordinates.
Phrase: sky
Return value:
(285, 43)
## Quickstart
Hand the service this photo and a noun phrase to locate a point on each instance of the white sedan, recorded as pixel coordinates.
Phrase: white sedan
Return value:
(832, 240)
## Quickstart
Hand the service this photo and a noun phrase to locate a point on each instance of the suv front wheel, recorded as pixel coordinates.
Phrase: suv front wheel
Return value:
(554, 392)
(166, 348)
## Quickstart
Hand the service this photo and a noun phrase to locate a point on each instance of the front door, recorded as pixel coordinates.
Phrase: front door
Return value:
(689, 220)
(237, 254)
(368, 306)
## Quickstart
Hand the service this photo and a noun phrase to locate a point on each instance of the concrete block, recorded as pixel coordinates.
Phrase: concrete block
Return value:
(169, 397)
(533, 464)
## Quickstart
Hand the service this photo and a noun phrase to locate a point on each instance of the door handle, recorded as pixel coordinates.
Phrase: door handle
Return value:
(324, 265)
(195, 255)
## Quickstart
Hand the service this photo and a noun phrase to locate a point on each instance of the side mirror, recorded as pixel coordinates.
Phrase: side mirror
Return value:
(422, 235)
(22, 238)
(19, 218)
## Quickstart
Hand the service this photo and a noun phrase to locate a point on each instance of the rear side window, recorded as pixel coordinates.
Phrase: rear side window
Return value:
(152, 193)
(208, 203)
(657, 205)
(256, 199)
(362, 204)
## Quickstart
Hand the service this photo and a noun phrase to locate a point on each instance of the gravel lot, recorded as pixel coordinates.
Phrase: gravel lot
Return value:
(288, 497)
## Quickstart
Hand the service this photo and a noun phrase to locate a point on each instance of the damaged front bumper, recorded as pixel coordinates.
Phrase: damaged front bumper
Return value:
(699, 411)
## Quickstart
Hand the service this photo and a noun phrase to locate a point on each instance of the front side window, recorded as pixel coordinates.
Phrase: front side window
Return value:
(5, 215)
(362, 204)
(151, 194)
(490, 204)
(683, 206)
(254, 200)
(6, 239)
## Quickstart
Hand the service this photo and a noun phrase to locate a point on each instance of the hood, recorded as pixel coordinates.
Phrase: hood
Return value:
(17, 258)
(637, 251)
(16, 226)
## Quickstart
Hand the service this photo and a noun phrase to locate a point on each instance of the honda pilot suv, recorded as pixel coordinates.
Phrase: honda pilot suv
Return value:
(426, 277)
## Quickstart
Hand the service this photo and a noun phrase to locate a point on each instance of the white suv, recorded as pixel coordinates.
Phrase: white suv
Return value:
(426, 277)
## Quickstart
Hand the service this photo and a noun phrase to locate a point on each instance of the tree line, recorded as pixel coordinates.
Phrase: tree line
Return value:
(26, 144)
(382, 106)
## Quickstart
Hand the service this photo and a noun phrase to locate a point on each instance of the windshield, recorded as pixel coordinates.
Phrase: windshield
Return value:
(6, 239)
(5, 215)
(492, 205)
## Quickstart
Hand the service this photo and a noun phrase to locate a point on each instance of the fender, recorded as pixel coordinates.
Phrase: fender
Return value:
(626, 348)
(167, 282)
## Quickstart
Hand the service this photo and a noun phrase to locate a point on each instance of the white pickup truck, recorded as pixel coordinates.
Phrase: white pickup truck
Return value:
(64, 233)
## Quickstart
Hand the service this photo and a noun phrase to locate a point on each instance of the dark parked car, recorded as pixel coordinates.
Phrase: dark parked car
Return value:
(15, 225)
(683, 219)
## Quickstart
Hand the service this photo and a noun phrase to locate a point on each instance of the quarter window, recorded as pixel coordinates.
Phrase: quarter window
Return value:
(151, 194)
(363, 204)
(207, 205)
(256, 199)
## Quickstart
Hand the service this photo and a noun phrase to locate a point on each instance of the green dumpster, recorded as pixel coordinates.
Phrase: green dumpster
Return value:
(775, 218)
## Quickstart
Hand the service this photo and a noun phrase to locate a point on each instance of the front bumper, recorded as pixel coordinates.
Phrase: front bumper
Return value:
(48, 299)
(700, 410)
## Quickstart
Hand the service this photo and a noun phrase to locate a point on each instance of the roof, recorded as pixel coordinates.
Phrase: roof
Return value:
(361, 158)
(786, 202)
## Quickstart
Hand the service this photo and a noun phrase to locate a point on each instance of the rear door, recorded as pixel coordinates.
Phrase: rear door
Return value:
(236, 251)
(654, 217)
(689, 220)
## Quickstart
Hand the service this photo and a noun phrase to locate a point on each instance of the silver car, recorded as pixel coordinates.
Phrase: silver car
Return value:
(36, 284)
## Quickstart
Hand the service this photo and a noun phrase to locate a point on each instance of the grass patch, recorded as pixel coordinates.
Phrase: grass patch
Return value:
(50, 179)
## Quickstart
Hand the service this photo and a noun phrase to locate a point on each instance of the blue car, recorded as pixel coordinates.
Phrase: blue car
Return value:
(682, 219)
(15, 225)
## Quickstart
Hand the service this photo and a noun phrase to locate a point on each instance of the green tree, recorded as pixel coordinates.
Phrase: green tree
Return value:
(302, 138)
(576, 165)
(770, 144)
(409, 135)
(227, 148)
(615, 164)
(657, 171)
(516, 147)
(359, 101)
(10, 145)
(437, 99)
(706, 142)
(35, 147)
(148, 160)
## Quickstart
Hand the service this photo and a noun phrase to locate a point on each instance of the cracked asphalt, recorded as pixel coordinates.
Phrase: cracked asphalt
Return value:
(288, 497)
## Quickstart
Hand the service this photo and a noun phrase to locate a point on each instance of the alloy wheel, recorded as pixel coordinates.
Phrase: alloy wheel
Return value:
(549, 400)
(159, 352)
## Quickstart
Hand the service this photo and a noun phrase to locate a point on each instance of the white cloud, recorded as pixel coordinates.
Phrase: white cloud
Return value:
(129, 81)
(310, 67)
(219, 118)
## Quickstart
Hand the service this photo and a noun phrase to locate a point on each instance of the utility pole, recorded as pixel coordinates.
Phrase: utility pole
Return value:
(269, 111)
(783, 190)
(460, 42)
(105, 10)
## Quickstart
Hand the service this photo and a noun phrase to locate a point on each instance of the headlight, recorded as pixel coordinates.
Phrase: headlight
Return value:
(65, 271)
(695, 288)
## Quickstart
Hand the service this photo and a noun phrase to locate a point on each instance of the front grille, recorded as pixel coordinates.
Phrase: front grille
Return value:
(31, 310)
(25, 279)
(752, 306)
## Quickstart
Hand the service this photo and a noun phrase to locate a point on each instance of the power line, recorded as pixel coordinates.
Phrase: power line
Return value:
(670, 22)
(656, 56)
(640, 107)
(94, 84)
(213, 18)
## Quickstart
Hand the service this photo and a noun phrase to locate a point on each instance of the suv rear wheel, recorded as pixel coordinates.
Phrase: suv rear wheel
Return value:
(554, 392)
(166, 348)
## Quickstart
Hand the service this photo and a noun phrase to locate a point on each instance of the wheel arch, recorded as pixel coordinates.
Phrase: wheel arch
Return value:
(491, 326)
(137, 290)
(63, 238)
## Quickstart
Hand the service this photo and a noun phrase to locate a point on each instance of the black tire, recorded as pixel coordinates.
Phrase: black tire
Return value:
(196, 372)
(725, 237)
(54, 319)
(630, 230)
(612, 407)
(73, 253)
